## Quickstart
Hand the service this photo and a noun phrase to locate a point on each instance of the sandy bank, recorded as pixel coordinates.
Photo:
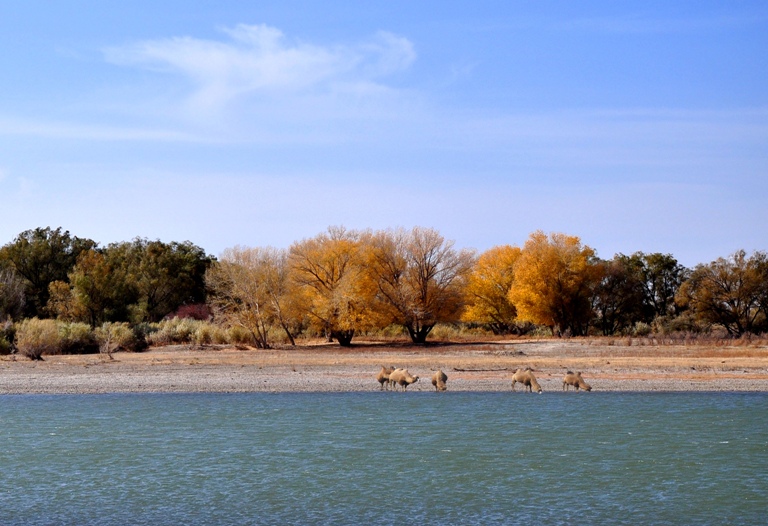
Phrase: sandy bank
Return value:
(324, 368)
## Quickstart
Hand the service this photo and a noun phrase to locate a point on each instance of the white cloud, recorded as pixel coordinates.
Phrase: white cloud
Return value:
(260, 59)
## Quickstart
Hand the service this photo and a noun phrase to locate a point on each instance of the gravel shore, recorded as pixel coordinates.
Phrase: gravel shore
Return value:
(470, 367)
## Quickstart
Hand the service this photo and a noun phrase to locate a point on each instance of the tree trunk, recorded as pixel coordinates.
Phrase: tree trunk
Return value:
(419, 334)
(344, 337)
(288, 333)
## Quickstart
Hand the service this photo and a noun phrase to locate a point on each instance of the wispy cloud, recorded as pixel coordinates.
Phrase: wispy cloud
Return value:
(260, 59)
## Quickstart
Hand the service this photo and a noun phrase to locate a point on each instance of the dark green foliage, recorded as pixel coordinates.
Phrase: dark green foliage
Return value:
(42, 256)
(619, 297)
(662, 277)
(161, 277)
(12, 294)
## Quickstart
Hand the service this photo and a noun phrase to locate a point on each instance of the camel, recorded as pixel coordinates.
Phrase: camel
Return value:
(575, 379)
(402, 378)
(383, 376)
(525, 377)
(439, 379)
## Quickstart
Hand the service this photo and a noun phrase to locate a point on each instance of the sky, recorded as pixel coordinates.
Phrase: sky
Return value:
(634, 125)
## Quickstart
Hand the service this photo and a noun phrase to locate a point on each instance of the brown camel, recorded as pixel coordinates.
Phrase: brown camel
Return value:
(575, 380)
(402, 378)
(383, 376)
(525, 377)
(439, 379)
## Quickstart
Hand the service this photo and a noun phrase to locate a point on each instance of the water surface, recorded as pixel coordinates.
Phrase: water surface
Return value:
(385, 458)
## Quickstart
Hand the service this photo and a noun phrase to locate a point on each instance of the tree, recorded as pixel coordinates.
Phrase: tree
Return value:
(553, 283)
(100, 288)
(96, 292)
(250, 287)
(419, 279)
(12, 296)
(487, 290)
(728, 292)
(619, 296)
(42, 256)
(330, 276)
(164, 276)
(662, 277)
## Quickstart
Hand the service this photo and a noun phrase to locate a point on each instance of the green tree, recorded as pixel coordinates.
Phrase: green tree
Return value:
(99, 288)
(662, 277)
(619, 296)
(42, 256)
(12, 295)
(163, 276)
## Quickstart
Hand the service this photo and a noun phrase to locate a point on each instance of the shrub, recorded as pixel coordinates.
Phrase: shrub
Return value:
(541, 331)
(239, 336)
(641, 329)
(36, 337)
(7, 334)
(118, 336)
(444, 332)
(77, 338)
(184, 330)
(684, 323)
(203, 334)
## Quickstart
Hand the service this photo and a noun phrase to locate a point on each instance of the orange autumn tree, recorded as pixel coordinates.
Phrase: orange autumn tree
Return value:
(487, 290)
(418, 278)
(553, 282)
(330, 273)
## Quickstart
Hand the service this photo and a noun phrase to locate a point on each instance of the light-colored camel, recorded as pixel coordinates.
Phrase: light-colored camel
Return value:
(525, 377)
(402, 378)
(383, 376)
(575, 380)
(439, 379)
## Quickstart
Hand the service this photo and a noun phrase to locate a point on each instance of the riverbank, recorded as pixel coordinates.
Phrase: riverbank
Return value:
(614, 365)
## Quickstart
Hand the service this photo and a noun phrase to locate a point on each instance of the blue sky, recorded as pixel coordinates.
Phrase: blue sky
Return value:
(633, 125)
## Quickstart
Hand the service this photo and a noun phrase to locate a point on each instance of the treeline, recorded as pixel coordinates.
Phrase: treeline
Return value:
(346, 282)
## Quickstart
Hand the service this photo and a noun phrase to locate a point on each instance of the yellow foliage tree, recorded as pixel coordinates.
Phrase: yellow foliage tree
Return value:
(553, 282)
(330, 273)
(487, 290)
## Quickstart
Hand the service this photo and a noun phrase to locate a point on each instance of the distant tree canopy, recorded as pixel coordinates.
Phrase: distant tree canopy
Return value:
(74, 279)
(730, 292)
(42, 256)
(342, 282)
